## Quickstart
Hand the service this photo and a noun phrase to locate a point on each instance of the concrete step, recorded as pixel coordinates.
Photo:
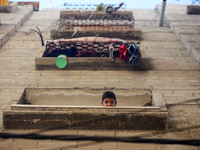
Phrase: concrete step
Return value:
(181, 26)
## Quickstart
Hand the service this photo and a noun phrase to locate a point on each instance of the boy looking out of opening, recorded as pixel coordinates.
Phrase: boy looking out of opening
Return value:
(108, 99)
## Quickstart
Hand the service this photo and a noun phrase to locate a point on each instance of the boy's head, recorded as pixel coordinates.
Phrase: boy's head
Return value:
(108, 99)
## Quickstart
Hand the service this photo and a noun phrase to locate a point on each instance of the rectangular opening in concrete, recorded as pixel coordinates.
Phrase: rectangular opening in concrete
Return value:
(96, 23)
(81, 109)
(90, 53)
(193, 9)
(83, 97)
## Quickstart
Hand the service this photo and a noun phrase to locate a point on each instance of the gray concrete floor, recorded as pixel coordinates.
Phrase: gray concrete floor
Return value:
(174, 75)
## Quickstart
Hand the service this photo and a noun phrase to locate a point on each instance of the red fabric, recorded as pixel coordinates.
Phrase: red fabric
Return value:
(122, 52)
(88, 53)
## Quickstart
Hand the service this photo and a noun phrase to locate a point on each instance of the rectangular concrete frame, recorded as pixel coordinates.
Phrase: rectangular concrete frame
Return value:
(135, 34)
(83, 117)
(10, 8)
(91, 63)
(193, 10)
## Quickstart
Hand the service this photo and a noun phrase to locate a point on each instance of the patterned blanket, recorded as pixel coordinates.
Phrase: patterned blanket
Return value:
(83, 46)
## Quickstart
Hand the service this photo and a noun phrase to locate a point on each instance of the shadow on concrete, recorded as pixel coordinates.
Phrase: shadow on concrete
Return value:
(131, 139)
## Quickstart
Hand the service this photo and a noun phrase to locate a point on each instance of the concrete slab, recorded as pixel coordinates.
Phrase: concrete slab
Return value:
(126, 35)
(10, 8)
(90, 63)
(95, 121)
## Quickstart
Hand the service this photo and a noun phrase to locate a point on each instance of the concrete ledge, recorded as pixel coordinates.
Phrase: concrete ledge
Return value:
(89, 109)
(95, 120)
(10, 8)
(88, 63)
(135, 110)
(193, 10)
(126, 35)
(91, 63)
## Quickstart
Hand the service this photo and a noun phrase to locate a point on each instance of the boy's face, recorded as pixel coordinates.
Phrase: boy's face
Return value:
(109, 102)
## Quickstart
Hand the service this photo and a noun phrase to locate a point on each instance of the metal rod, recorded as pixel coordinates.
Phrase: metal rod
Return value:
(103, 24)
(100, 23)
(162, 14)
